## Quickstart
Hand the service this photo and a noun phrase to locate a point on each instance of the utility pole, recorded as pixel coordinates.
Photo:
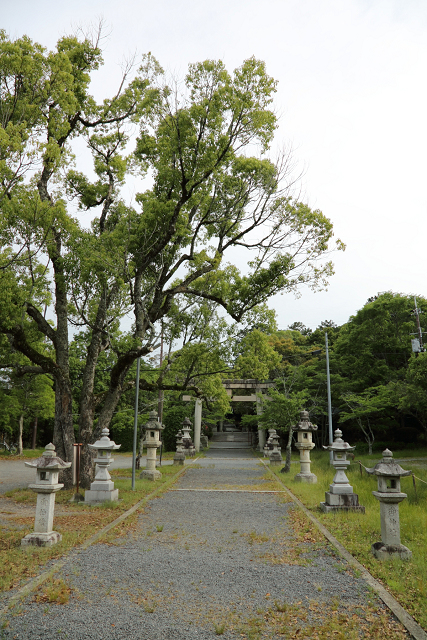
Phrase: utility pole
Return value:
(161, 392)
(417, 343)
(135, 422)
(328, 384)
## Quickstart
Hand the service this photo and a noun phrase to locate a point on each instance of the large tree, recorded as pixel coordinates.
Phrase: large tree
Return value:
(209, 199)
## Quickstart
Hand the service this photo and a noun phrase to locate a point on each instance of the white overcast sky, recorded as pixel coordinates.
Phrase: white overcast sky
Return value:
(353, 104)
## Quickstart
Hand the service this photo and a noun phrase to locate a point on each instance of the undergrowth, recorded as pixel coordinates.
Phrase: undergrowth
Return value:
(357, 532)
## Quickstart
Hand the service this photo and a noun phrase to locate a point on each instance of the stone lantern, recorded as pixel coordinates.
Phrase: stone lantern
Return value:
(102, 488)
(388, 474)
(153, 429)
(340, 496)
(267, 447)
(275, 454)
(47, 467)
(186, 438)
(179, 457)
(304, 429)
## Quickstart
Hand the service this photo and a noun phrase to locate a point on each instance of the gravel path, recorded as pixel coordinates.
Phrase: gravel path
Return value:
(201, 564)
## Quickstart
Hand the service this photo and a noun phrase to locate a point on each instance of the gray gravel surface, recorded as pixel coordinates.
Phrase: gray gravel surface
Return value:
(195, 558)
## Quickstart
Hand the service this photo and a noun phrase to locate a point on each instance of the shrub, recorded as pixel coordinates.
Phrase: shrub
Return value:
(173, 418)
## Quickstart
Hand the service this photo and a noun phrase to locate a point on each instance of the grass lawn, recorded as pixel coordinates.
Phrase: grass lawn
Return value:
(27, 453)
(36, 453)
(406, 580)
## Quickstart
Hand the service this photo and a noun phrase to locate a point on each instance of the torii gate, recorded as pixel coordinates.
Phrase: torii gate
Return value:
(229, 385)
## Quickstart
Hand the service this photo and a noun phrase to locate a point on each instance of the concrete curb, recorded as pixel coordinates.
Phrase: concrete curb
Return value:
(401, 614)
(32, 584)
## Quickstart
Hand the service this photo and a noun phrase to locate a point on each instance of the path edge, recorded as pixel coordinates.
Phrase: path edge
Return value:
(401, 614)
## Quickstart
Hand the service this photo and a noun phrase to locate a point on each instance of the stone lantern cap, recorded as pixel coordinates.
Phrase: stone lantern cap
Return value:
(104, 443)
(304, 424)
(48, 460)
(153, 422)
(387, 466)
(338, 444)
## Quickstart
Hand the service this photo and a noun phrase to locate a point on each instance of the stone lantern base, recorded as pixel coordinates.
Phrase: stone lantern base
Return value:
(41, 539)
(386, 551)
(310, 478)
(97, 496)
(179, 458)
(341, 502)
(150, 474)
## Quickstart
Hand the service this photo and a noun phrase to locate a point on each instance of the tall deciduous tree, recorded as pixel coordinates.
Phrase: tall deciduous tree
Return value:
(208, 199)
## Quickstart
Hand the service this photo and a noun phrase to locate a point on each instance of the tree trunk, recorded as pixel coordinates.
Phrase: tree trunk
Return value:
(21, 429)
(87, 400)
(63, 431)
(287, 466)
(34, 438)
(86, 436)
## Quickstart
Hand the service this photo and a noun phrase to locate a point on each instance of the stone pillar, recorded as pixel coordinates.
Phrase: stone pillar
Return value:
(150, 472)
(197, 424)
(47, 470)
(259, 411)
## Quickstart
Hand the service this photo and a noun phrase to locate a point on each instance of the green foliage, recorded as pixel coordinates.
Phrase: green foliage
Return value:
(25, 393)
(378, 386)
(164, 260)
(281, 412)
(173, 417)
(257, 356)
(375, 344)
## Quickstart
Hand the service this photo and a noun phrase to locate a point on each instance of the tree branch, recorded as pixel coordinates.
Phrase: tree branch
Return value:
(41, 322)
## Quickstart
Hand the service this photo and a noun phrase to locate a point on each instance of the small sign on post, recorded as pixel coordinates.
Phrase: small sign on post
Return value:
(77, 497)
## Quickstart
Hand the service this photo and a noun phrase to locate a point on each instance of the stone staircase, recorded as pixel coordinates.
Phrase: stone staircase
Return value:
(230, 444)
